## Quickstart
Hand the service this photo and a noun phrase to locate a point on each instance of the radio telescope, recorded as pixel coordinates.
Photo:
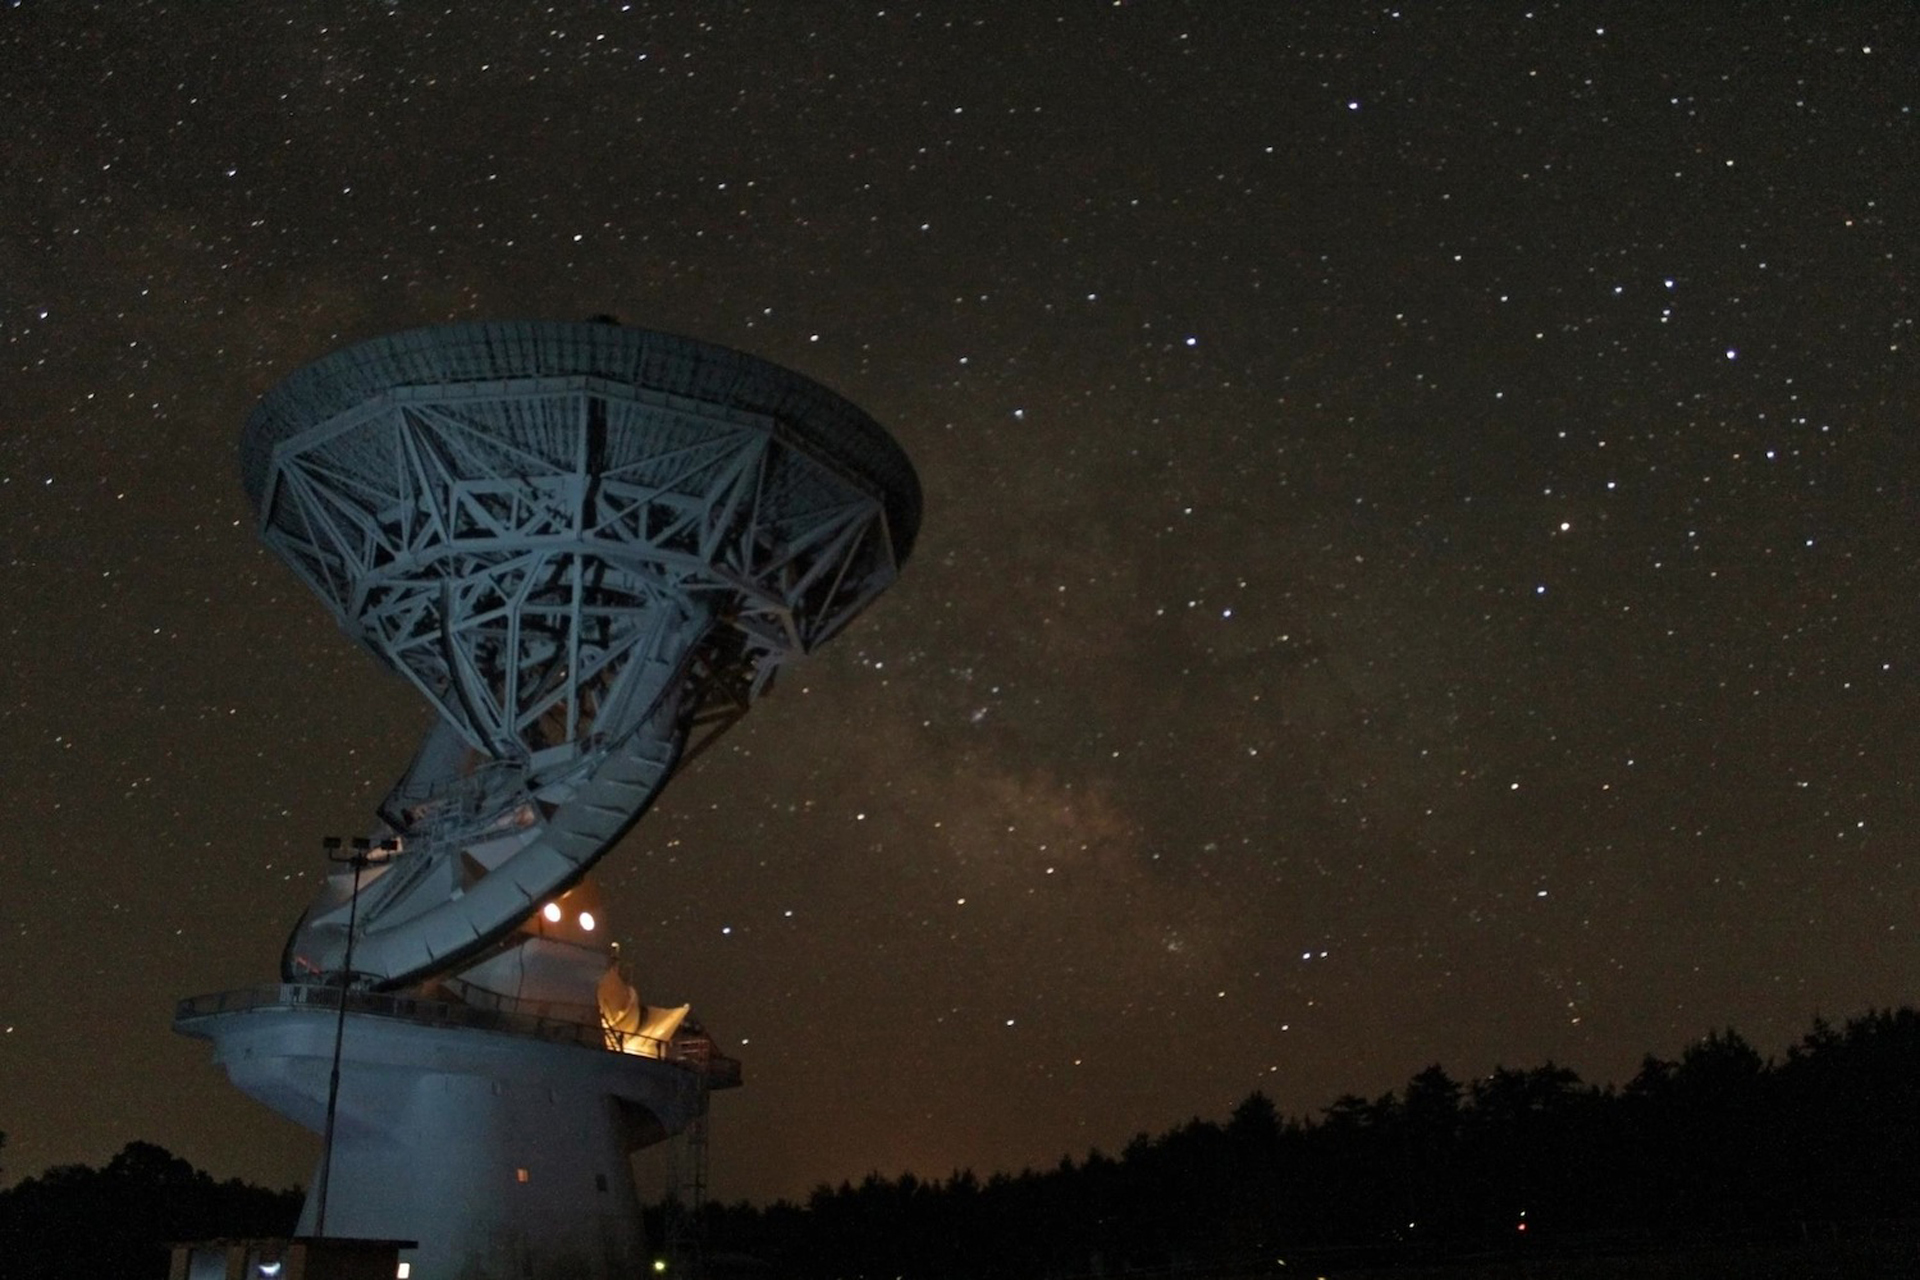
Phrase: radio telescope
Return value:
(589, 547)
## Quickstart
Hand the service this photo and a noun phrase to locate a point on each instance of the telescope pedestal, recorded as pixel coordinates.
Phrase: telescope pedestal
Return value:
(590, 547)
(503, 1155)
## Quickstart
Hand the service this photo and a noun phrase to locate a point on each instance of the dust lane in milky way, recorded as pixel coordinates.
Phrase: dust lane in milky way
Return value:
(1417, 566)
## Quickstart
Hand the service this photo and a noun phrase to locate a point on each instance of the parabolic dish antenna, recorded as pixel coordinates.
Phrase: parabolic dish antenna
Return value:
(589, 547)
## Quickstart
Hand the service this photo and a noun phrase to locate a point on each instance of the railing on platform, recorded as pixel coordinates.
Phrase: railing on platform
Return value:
(691, 1053)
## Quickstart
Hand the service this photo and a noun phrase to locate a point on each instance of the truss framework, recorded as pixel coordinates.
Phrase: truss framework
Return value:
(523, 553)
(578, 575)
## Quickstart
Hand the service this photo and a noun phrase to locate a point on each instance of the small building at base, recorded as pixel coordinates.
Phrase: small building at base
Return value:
(299, 1258)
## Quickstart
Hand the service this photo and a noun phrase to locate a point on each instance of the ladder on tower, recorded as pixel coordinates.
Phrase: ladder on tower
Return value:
(687, 1190)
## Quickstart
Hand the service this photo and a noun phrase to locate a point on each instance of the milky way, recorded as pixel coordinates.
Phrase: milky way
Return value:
(1417, 566)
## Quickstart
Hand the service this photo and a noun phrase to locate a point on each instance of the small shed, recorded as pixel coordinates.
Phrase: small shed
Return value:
(298, 1258)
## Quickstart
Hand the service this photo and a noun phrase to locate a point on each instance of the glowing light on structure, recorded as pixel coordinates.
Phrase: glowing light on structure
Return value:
(590, 548)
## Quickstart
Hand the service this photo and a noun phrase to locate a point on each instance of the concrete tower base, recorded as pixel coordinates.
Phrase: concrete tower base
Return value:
(502, 1152)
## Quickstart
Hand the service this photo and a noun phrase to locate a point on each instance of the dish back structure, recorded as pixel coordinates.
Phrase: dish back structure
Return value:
(589, 547)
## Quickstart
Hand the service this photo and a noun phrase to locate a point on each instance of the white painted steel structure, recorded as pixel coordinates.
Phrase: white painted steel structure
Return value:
(498, 1145)
(589, 547)
(583, 544)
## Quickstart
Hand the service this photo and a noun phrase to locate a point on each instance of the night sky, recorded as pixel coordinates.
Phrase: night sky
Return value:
(1418, 565)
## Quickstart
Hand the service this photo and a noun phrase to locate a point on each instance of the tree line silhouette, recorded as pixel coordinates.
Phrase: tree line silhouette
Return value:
(117, 1220)
(1718, 1145)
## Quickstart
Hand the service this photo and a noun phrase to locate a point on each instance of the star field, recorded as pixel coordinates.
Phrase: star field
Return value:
(1418, 560)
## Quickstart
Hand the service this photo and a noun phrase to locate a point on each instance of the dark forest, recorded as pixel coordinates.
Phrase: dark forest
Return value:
(1721, 1146)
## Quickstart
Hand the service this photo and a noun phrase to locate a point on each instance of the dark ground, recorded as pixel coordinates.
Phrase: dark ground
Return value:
(1893, 1254)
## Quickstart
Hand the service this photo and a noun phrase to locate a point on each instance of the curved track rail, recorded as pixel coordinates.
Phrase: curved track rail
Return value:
(589, 547)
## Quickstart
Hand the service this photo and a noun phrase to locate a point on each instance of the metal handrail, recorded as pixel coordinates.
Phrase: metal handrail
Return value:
(432, 1013)
(690, 1053)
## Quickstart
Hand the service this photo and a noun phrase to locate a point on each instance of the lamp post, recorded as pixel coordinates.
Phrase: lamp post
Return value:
(358, 859)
